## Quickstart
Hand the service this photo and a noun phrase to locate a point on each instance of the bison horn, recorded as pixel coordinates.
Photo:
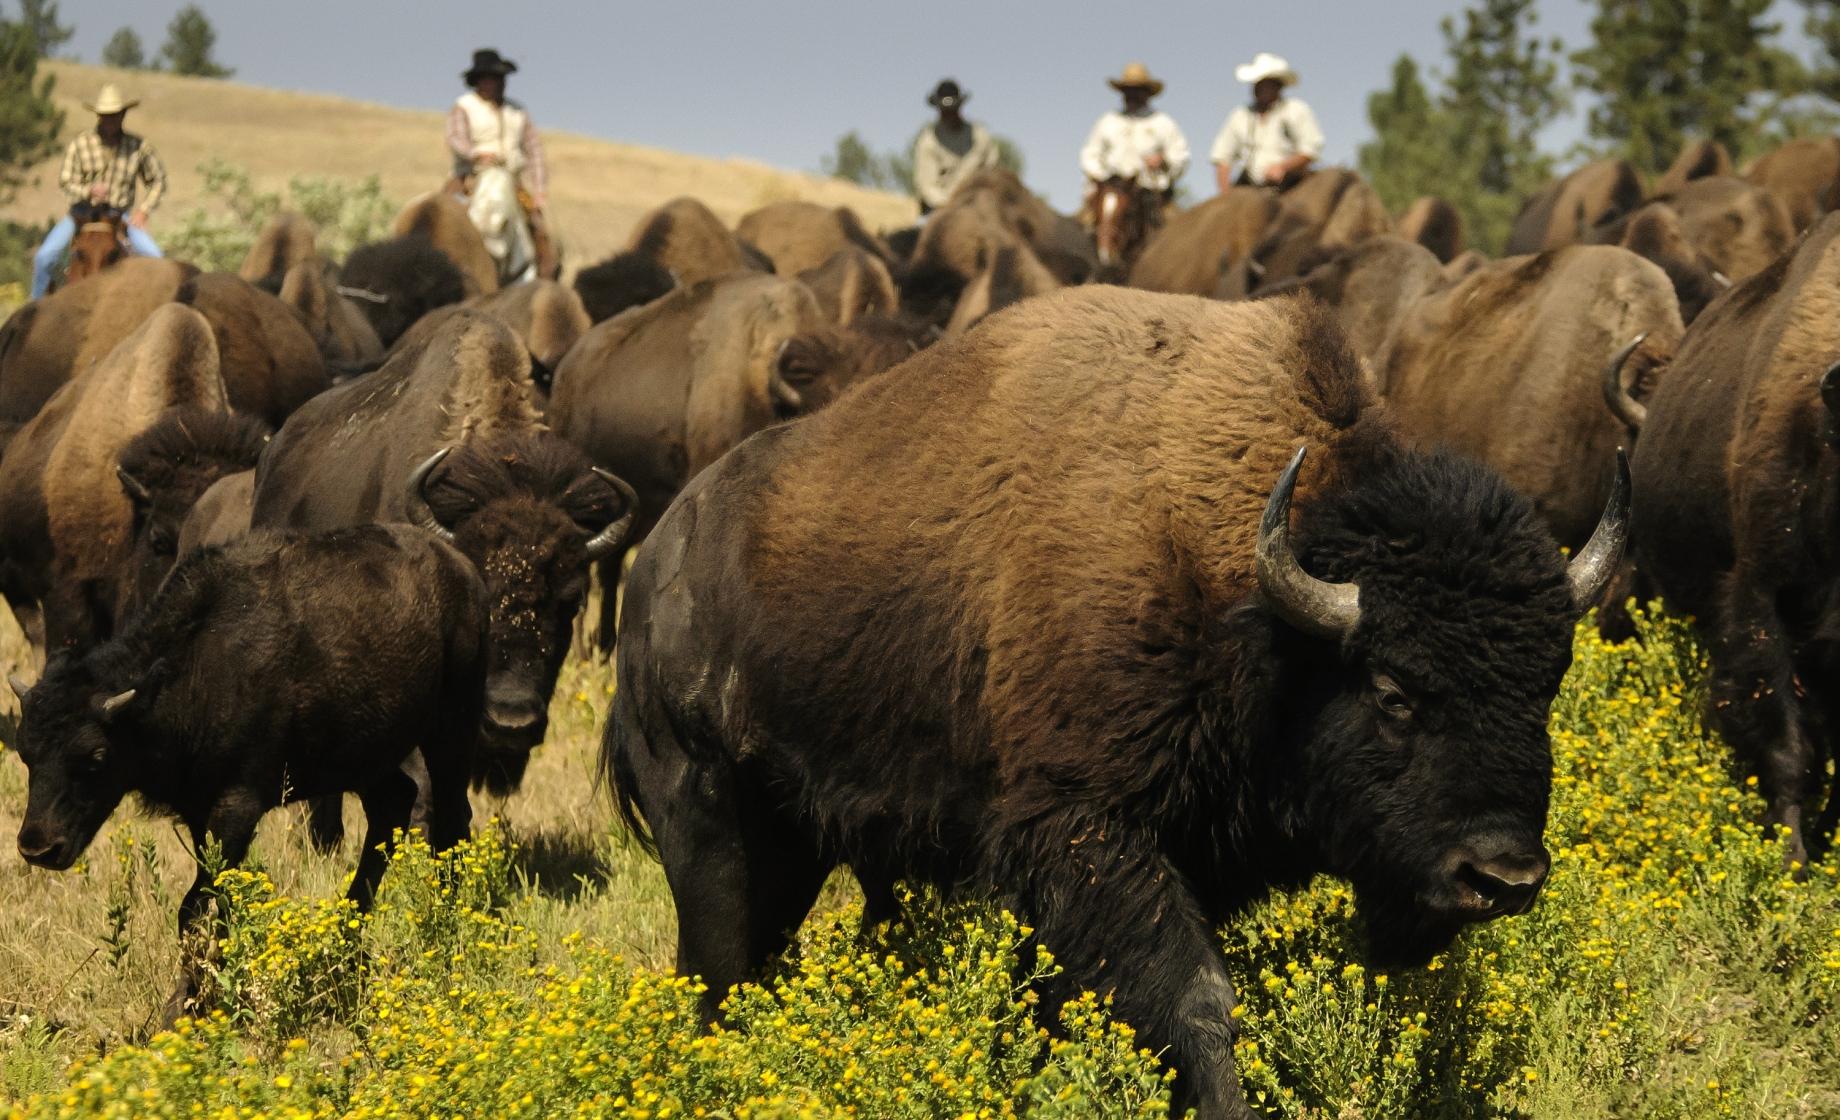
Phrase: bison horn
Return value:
(418, 481)
(133, 487)
(18, 684)
(113, 705)
(782, 391)
(612, 539)
(1326, 610)
(1590, 570)
(1625, 407)
(1721, 279)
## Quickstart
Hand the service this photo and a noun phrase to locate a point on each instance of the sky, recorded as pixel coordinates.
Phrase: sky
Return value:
(779, 82)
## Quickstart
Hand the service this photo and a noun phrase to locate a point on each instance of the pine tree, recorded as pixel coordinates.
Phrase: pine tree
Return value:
(189, 41)
(123, 50)
(29, 119)
(1669, 71)
(40, 17)
(1409, 152)
(1823, 26)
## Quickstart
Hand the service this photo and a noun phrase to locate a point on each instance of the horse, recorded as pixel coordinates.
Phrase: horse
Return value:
(1123, 216)
(100, 241)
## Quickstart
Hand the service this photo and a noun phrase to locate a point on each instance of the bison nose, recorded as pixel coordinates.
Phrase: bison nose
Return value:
(1501, 884)
(34, 847)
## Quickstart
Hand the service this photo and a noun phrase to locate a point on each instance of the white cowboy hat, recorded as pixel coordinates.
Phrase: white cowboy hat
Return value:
(1136, 76)
(109, 100)
(1265, 65)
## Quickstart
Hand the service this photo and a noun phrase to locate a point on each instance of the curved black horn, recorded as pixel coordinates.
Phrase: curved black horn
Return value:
(1830, 391)
(1315, 606)
(1592, 568)
(778, 387)
(418, 479)
(1624, 407)
(611, 540)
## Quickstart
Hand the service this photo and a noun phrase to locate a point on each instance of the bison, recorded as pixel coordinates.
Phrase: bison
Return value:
(1371, 287)
(280, 668)
(1506, 366)
(685, 237)
(66, 522)
(1564, 212)
(1197, 247)
(523, 506)
(852, 284)
(398, 281)
(442, 221)
(800, 236)
(619, 282)
(1736, 474)
(1435, 224)
(661, 392)
(1804, 174)
(1066, 652)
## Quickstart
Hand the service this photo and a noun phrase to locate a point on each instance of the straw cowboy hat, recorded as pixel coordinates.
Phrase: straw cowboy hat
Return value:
(109, 100)
(486, 64)
(1265, 65)
(1136, 76)
(947, 94)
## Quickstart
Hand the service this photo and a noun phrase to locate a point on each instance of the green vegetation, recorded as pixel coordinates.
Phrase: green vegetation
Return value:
(1671, 969)
(124, 50)
(29, 119)
(190, 39)
(343, 215)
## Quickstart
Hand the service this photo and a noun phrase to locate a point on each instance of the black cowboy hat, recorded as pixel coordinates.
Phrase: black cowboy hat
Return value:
(946, 93)
(486, 63)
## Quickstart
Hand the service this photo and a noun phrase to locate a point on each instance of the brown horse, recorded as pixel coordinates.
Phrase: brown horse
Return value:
(100, 242)
(1123, 215)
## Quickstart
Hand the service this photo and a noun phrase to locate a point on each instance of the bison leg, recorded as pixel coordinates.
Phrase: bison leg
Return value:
(1755, 707)
(326, 822)
(1119, 919)
(232, 823)
(388, 802)
(447, 765)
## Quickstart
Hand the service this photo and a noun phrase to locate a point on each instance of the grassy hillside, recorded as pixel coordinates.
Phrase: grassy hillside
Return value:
(599, 189)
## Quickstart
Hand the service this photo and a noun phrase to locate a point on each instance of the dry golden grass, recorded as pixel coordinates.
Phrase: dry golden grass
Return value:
(598, 189)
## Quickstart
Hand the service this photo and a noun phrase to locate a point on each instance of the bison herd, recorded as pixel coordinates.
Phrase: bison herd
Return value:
(1122, 604)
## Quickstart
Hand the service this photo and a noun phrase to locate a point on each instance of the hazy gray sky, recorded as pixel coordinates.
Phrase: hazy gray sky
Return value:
(779, 82)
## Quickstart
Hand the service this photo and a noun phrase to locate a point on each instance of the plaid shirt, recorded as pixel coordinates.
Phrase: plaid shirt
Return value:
(124, 168)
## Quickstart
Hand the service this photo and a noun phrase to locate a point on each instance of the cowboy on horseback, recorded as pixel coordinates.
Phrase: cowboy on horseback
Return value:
(499, 167)
(1273, 141)
(1139, 149)
(103, 175)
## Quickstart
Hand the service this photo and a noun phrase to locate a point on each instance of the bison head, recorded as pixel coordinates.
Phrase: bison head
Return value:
(1417, 670)
(398, 281)
(164, 471)
(531, 515)
(80, 762)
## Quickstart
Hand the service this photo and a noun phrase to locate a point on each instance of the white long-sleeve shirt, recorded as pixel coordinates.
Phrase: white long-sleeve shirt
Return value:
(1121, 141)
(1255, 141)
(944, 159)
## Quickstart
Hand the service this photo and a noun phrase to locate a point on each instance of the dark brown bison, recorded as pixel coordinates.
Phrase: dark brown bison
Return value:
(66, 522)
(1804, 175)
(1329, 211)
(1371, 287)
(398, 281)
(285, 240)
(1065, 652)
(1061, 242)
(277, 669)
(268, 360)
(853, 284)
(1013, 274)
(220, 515)
(686, 237)
(619, 282)
(1196, 247)
(1506, 366)
(659, 393)
(547, 318)
(1738, 226)
(1656, 233)
(1564, 212)
(525, 507)
(343, 333)
(1435, 224)
(800, 236)
(439, 219)
(1737, 484)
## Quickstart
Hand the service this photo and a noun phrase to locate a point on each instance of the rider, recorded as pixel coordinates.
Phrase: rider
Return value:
(1275, 139)
(950, 150)
(104, 168)
(1136, 142)
(484, 129)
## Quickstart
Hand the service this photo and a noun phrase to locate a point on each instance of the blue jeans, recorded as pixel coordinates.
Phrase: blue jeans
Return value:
(57, 243)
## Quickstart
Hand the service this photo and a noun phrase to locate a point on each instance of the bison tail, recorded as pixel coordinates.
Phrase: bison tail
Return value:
(616, 768)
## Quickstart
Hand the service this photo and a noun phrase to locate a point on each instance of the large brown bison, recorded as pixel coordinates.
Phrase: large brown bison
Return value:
(1066, 652)
(1564, 212)
(1738, 485)
(524, 506)
(1506, 366)
(1804, 174)
(1371, 287)
(66, 519)
(268, 360)
(1656, 233)
(547, 318)
(686, 237)
(800, 236)
(439, 219)
(1196, 247)
(1329, 211)
(1740, 227)
(398, 281)
(852, 284)
(659, 393)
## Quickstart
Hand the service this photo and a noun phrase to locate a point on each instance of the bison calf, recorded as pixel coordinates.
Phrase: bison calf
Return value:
(281, 667)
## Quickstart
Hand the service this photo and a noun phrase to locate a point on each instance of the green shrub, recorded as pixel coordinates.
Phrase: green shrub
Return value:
(343, 216)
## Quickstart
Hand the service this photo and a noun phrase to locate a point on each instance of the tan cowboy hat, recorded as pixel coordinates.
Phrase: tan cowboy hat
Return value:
(1136, 76)
(1265, 65)
(109, 100)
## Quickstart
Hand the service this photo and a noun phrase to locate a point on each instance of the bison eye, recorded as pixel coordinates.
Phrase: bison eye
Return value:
(1391, 699)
